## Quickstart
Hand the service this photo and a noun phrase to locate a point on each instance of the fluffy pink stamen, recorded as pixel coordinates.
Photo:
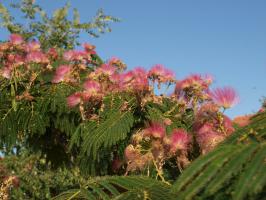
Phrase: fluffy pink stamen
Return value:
(92, 87)
(74, 99)
(225, 97)
(156, 130)
(60, 73)
(179, 140)
(16, 39)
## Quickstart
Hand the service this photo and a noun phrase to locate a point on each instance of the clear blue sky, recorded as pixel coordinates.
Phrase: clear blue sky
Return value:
(226, 38)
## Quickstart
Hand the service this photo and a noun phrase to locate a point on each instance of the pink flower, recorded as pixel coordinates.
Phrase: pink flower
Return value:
(89, 48)
(131, 153)
(207, 138)
(194, 81)
(261, 110)
(37, 57)
(156, 130)
(179, 140)
(52, 53)
(6, 72)
(160, 73)
(228, 125)
(140, 79)
(115, 78)
(242, 120)
(117, 63)
(92, 88)
(33, 46)
(16, 39)
(74, 99)
(168, 75)
(114, 61)
(60, 73)
(127, 77)
(68, 55)
(105, 69)
(225, 97)
(73, 55)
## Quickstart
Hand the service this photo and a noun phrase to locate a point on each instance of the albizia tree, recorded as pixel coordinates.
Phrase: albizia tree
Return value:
(67, 117)
(77, 111)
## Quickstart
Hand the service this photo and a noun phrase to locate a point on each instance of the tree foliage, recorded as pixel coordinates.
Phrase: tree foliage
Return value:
(59, 29)
(92, 129)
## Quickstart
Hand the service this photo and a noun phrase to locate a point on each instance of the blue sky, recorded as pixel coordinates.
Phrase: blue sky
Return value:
(225, 38)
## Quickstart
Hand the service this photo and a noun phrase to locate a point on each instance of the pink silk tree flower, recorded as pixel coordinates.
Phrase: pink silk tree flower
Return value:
(228, 125)
(68, 55)
(92, 87)
(74, 99)
(168, 75)
(194, 81)
(127, 77)
(37, 57)
(261, 110)
(6, 72)
(116, 62)
(179, 140)
(89, 48)
(156, 130)
(16, 39)
(160, 73)
(33, 46)
(105, 69)
(131, 153)
(242, 121)
(73, 55)
(225, 97)
(140, 79)
(52, 52)
(61, 73)
(207, 138)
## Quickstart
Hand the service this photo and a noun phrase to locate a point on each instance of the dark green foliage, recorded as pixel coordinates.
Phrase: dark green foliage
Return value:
(232, 171)
(48, 110)
(255, 131)
(36, 180)
(170, 109)
(96, 140)
(130, 187)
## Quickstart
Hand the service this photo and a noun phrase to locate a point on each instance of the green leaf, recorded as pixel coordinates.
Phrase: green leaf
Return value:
(250, 176)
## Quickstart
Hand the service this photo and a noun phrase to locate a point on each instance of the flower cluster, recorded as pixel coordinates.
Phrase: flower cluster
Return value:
(161, 74)
(19, 58)
(153, 146)
(211, 127)
(193, 89)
